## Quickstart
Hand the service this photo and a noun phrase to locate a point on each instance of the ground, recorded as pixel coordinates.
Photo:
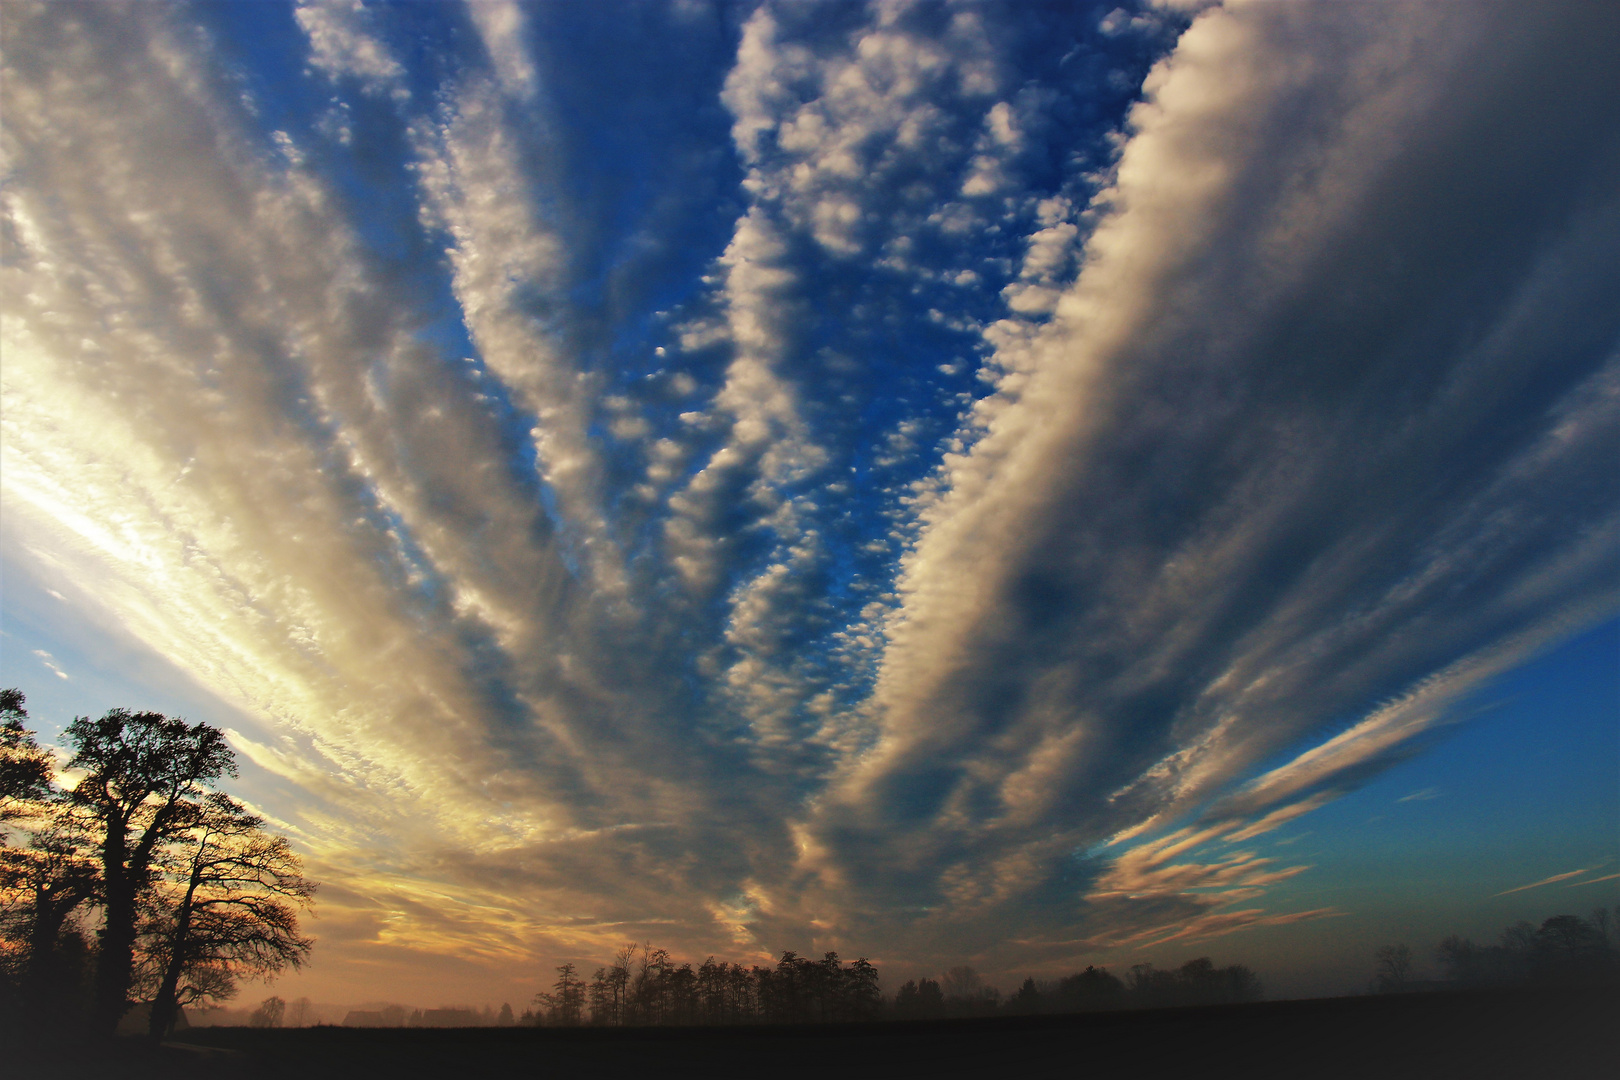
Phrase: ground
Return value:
(1428, 1036)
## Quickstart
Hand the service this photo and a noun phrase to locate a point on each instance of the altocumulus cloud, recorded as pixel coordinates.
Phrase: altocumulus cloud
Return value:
(919, 479)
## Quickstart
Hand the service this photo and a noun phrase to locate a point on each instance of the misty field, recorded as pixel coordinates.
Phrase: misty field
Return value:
(1418, 1036)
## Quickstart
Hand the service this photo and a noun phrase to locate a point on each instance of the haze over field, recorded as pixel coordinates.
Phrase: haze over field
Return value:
(1014, 484)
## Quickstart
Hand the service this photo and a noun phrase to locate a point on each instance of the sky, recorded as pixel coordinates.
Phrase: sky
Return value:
(1015, 484)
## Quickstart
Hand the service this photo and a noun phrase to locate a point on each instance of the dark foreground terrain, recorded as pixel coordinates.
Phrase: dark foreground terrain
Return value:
(1428, 1036)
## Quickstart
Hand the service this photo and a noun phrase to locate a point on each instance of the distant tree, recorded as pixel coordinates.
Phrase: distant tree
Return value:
(742, 994)
(300, 1012)
(564, 1006)
(1091, 990)
(145, 775)
(784, 993)
(1238, 983)
(505, 1017)
(712, 984)
(680, 995)
(1569, 935)
(645, 986)
(1519, 938)
(930, 998)
(828, 993)
(1570, 950)
(966, 994)
(1197, 982)
(269, 1013)
(600, 999)
(1564, 950)
(1149, 987)
(1394, 969)
(615, 990)
(1200, 982)
(1027, 1001)
(1459, 960)
(231, 909)
(863, 996)
(919, 999)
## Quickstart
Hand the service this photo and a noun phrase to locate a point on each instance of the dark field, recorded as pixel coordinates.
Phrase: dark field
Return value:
(1432, 1035)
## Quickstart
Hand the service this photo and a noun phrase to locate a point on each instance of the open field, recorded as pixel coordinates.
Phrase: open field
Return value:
(1428, 1036)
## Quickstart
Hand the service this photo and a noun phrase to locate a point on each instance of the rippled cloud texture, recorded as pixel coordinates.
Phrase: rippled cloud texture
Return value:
(913, 479)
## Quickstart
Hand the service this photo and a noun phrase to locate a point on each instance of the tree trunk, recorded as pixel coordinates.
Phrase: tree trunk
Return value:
(39, 983)
(165, 1006)
(116, 957)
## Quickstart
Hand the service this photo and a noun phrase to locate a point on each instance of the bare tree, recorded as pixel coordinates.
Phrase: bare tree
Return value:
(1394, 968)
(269, 1013)
(145, 774)
(564, 1006)
(231, 910)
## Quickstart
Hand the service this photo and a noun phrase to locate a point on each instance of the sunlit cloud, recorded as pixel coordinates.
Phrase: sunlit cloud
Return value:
(1544, 881)
(1593, 881)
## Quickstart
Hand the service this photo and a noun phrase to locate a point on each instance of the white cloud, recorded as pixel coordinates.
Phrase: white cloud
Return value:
(342, 44)
(500, 24)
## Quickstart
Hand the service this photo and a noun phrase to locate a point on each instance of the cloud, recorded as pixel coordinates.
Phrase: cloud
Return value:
(500, 25)
(962, 525)
(49, 662)
(1196, 530)
(1544, 881)
(342, 44)
(1592, 881)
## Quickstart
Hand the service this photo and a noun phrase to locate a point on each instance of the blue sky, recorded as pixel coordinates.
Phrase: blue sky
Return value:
(1013, 484)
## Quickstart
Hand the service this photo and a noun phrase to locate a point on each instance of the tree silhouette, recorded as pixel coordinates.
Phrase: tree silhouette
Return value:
(1027, 1001)
(46, 882)
(863, 996)
(1564, 950)
(25, 768)
(645, 986)
(966, 994)
(232, 909)
(564, 1006)
(1093, 989)
(919, 999)
(269, 1013)
(145, 774)
(55, 876)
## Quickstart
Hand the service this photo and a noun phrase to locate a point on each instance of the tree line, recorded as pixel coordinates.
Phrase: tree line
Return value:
(142, 883)
(960, 992)
(1565, 950)
(644, 986)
